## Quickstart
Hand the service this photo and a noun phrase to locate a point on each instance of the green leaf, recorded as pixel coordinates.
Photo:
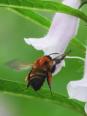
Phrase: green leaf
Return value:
(83, 2)
(20, 89)
(42, 20)
(43, 5)
(34, 16)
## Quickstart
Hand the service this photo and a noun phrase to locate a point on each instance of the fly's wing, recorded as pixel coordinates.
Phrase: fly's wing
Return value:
(18, 65)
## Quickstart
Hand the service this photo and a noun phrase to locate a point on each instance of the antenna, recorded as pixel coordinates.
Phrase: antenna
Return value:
(53, 53)
(59, 58)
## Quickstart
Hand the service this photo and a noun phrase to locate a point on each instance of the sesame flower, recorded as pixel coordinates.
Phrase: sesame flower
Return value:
(78, 89)
(63, 28)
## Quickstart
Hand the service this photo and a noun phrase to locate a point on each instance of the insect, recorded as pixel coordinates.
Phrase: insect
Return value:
(41, 70)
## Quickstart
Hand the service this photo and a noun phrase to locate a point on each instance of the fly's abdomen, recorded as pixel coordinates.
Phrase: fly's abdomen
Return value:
(37, 80)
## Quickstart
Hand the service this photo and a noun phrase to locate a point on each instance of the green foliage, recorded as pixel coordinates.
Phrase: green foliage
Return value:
(27, 8)
(32, 15)
(83, 2)
(19, 89)
(43, 5)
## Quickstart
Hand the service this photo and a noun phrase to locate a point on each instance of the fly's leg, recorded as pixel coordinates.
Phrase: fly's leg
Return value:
(49, 77)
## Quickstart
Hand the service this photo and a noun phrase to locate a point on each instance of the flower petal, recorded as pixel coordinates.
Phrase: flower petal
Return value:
(64, 27)
(35, 42)
(57, 39)
(78, 90)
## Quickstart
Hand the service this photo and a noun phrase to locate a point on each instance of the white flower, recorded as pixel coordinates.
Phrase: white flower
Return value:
(78, 89)
(63, 28)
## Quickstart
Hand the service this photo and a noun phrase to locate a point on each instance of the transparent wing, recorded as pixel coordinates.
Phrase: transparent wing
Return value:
(18, 65)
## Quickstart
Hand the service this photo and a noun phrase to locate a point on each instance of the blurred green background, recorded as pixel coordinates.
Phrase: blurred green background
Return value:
(13, 30)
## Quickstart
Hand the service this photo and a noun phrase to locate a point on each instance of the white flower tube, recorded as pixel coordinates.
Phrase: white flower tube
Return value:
(63, 28)
(78, 89)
